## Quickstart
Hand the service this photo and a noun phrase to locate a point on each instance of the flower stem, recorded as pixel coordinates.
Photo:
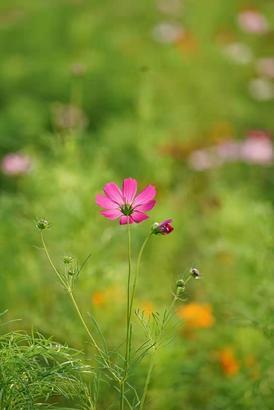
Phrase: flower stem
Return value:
(51, 262)
(83, 321)
(139, 259)
(150, 369)
(128, 324)
(76, 307)
(130, 300)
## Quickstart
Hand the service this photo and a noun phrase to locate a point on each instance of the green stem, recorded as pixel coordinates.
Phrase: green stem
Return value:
(128, 296)
(137, 272)
(147, 382)
(122, 385)
(51, 263)
(130, 300)
(69, 291)
(83, 321)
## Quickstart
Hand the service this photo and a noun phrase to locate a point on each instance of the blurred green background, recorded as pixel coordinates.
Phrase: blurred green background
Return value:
(174, 93)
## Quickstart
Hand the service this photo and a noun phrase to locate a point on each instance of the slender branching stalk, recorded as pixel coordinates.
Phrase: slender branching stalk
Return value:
(155, 333)
(68, 288)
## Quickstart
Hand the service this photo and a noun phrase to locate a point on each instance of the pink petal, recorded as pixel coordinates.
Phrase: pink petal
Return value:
(146, 206)
(129, 189)
(114, 193)
(145, 196)
(139, 216)
(105, 202)
(125, 220)
(112, 213)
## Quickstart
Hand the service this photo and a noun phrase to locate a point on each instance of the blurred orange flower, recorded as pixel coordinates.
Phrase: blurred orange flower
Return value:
(99, 298)
(196, 315)
(228, 362)
(147, 307)
(187, 43)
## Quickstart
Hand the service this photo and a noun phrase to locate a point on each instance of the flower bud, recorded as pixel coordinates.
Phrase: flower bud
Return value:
(180, 287)
(180, 291)
(180, 283)
(195, 273)
(163, 228)
(72, 272)
(42, 224)
(68, 260)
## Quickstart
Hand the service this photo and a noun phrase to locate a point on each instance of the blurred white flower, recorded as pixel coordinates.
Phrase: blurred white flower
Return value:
(265, 66)
(257, 149)
(261, 89)
(252, 21)
(15, 164)
(239, 53)
(167, 32)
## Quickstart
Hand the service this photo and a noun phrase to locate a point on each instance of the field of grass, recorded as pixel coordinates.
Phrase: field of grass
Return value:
(174, 93)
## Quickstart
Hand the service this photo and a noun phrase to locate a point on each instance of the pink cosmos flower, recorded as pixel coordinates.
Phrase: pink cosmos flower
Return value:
(15, 163)
(257, 148)
(124, 203)
(164, 228)
(252, 21)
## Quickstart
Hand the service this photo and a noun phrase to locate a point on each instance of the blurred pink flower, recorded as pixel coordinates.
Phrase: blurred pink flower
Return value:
(257, 148)
(265, 66)
(228, 150)
(124, 204)
(253, 21)
(14, 164)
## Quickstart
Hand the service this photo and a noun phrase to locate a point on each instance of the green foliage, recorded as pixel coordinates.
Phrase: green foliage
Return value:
(37, 372)
(142, 107)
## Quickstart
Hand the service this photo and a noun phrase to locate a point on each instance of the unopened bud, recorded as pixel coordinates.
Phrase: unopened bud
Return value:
(68, 260)
(180, 287)
(42, 224)
(72, 272)
(163, 228)
(180, 283)
(195, 273)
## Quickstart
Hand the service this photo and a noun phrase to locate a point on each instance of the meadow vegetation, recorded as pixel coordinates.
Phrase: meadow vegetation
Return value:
(177, 94)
